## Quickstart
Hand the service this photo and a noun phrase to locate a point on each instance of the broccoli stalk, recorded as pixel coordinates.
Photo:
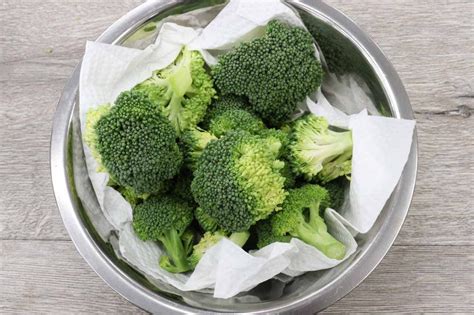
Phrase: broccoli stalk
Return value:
(210, 239)
(176, 260)
(182, 91)
(165, 219)
(309, 227)
(317, 151)
(315, 233)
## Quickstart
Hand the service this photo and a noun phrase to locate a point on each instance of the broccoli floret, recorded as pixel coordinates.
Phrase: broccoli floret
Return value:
(274, 72)
(207, 223)
(182, 91)
(188, 242)
(287, 173)
(90, 135)
(235, 119)
(131, 196)
(194, 141)
(210, 239)
(136, 144)
(181, 186)
(237, 180)
(337, 191)
(319, 152)
(165, 219)
(221, 104)
(280, 135)
(300, 218)
(266, 236)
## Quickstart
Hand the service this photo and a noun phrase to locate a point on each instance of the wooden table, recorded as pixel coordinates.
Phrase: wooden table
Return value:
(429, 269)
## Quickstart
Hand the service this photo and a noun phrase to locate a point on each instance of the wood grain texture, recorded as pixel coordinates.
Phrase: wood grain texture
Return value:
(430, 43)
(54, 273)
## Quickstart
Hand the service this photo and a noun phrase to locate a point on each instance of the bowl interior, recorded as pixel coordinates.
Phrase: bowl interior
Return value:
(336, 45)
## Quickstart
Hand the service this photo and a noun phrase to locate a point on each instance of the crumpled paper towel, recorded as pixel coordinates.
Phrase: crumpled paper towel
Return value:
(107, 70)
(343, 90)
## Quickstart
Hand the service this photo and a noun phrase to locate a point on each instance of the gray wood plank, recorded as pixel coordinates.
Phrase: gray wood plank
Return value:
(50, 277)
(413, 279)
(429, 42)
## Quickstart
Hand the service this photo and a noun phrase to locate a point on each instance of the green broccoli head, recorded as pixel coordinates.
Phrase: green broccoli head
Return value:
(210, 239)
(181, 186)
(318, 152)
(165, 219)
(266, 236)
(131, 196)
(182, 91)
(300, 218)
(222, 104)
(274, 72)
(235, 119)
(287, 173)
(136, 144)
(207, 223)
(90, 134)
(237, 180)
(337, 192)
(281, 135)
(194, 141)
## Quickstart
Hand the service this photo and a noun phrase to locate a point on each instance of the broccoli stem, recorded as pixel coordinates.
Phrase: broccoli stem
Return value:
(176, 262)
(321, 239)
(336, 143)
(239, 238)
(173, 111)
(180, 82)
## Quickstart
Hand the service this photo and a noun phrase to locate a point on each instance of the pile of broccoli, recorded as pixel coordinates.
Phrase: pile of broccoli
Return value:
(205, 154)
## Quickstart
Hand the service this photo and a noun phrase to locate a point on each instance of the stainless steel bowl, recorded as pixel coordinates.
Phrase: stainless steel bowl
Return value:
(308, 293)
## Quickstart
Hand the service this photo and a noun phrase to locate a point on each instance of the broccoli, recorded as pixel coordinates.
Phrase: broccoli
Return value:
(235, 119)
(283, 137)
(318, 152)
(207, 223)
(274, 72)
(188, 243)
(131, 196)
(90, 135)
(182, 186)
(194, 141)
(287, 173)
(165, 219)
(337, 191)
(182, 91)
(309, 227)
(136, 144)
(210, 239)
(222, 104)
(237, 180)
(266, 236)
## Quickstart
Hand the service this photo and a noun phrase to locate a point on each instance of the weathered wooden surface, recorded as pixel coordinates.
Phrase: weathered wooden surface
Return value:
(431, 44)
